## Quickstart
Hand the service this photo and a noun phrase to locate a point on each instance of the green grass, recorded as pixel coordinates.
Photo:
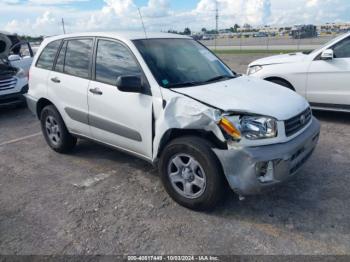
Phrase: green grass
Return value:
(254, 51)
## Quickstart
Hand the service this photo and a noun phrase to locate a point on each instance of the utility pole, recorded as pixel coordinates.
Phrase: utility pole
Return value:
(64, 29)
(216, 21)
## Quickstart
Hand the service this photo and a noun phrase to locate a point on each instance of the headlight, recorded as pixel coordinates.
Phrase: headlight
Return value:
(254, 69)
(257, 127)
(250, 127)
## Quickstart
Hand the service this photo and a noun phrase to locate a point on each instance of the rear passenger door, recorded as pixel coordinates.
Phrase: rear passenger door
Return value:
(69, 81)
(118, 118)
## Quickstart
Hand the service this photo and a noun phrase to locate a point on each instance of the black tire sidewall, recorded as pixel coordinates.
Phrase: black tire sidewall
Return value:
(66, 140)
(202, 153)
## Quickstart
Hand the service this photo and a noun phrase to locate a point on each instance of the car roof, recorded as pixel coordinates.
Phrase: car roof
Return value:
(121, 35)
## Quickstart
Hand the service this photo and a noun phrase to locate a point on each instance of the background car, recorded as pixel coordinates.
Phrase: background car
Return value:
(322, 76)
(16, 56)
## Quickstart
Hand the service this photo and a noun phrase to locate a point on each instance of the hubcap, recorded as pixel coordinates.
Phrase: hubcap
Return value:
(53, 131)
(186, 176)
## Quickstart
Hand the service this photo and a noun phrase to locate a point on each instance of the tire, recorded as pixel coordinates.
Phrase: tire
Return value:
(55, 131)
(282, 83)
(195, 154)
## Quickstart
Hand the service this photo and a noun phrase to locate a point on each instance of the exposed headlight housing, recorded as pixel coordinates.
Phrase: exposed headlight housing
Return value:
(254, 69)
(250, 127)
(257, 127)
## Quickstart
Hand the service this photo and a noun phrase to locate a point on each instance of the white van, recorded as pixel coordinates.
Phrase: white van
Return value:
(169, 100)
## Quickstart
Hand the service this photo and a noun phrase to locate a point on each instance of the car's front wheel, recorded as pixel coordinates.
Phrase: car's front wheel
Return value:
(191, 173)
(55, 131)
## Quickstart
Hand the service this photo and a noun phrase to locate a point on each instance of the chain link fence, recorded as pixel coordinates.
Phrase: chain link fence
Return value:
(264, 43)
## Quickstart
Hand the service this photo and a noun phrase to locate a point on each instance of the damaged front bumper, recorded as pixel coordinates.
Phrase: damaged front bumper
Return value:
(251, 170)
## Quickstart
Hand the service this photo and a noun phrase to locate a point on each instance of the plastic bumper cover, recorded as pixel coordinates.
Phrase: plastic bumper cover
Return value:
(14, 98)
(31, 103)
(251, 170)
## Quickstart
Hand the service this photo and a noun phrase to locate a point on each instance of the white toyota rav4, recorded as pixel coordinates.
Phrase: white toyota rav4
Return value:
(169, 100)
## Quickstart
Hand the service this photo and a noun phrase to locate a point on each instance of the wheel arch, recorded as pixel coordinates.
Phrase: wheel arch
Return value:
(41, 104)
(175, 133)
(271, 78)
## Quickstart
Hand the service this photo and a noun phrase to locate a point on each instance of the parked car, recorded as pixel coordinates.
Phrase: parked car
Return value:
(322, 76)
(169, 100)
(16, 57)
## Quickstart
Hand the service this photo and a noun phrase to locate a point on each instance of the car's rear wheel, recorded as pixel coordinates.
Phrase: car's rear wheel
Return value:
(191, 173)
(55, 131)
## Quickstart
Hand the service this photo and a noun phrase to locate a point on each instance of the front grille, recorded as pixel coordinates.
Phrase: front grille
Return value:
(298, 122)
(8, 83)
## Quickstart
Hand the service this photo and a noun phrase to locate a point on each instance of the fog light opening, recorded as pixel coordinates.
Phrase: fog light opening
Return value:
(265, 171)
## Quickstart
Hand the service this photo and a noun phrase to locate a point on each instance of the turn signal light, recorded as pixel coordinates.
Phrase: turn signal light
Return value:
(229, 128)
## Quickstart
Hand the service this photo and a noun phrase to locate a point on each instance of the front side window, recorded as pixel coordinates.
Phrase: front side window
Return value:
(77, 59)
(48, 55)
(114, 60)
(342, 49)
(181, 62)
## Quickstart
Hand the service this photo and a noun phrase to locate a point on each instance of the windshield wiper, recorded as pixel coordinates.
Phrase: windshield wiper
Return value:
(184, 84)
(217, 78)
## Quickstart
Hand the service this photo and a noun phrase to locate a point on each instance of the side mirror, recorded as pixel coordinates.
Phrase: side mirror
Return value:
(13, 58)
(131, 84)
(327, 54)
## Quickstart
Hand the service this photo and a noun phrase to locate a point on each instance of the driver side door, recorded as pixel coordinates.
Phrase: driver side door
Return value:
(121, 119)
(328, 83)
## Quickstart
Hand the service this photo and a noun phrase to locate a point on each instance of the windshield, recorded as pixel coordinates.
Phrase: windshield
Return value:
(328, 43)
(181, 62)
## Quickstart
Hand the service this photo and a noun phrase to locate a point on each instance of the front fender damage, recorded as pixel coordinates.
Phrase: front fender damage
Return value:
(185, 113)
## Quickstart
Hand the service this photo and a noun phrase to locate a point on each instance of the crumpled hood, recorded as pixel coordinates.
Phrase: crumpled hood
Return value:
(280, 59)
(250, 95)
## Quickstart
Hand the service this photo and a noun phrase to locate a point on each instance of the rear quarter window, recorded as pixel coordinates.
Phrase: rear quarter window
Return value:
(47, 56)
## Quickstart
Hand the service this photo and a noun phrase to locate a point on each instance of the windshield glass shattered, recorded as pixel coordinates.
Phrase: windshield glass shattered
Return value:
(179, 63)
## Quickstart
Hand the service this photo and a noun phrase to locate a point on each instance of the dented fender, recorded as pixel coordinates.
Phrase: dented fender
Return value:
(181, 112)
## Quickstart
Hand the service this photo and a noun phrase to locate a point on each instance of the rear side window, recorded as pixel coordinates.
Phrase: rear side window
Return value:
(113, 60)
(342, 49)
(77, 59)
(48, 55)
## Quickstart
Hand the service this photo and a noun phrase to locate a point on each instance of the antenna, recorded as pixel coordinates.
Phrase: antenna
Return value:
(64, 29)
(143, 25)
(216, 21)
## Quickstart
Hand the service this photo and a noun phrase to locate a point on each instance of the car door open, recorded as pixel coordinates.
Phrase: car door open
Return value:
(120, 115)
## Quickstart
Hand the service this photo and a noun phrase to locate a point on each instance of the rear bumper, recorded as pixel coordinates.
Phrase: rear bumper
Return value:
(31, 103)
(14, 98)
(250, 171)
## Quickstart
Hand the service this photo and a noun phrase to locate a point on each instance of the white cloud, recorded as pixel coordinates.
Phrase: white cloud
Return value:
(34, 17)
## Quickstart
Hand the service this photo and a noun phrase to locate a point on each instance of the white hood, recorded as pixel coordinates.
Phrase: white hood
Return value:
(280, 59)
(250, 95)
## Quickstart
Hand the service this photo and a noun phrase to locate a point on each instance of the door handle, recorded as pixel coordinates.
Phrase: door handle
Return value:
(55, 80)
(96, 91)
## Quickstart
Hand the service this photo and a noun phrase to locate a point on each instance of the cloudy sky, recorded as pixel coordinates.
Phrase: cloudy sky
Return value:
(42, 17)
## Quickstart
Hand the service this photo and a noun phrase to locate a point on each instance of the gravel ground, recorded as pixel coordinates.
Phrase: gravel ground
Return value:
(100, 201)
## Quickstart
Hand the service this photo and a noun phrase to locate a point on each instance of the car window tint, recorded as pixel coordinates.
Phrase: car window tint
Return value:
(48, 55)
(78, 57)
(61, 58)
(342, 49)
(113, 60)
